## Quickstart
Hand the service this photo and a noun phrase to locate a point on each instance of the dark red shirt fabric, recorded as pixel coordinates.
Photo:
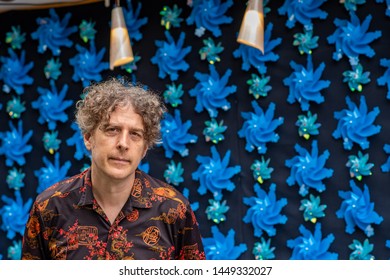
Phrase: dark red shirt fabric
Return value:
(157, 222)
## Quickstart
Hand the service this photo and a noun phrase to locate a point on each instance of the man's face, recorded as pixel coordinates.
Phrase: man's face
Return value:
(118, 147)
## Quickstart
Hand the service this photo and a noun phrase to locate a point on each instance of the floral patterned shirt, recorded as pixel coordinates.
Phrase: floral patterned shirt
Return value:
(156, 222)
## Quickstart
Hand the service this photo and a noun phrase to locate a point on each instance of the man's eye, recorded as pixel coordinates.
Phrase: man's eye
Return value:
(136, 135)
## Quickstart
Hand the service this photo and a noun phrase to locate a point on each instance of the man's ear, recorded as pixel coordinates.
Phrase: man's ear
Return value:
(87, 141)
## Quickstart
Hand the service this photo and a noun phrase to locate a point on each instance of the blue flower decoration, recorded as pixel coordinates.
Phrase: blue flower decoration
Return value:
(308, 170)
(15, 179)
(214, 174)
(361, 251)
(254, 57)
(77, 140)
(264, 211)
(352, 39)
(307, 125)
(210, 51)
(214, 131)
(305, 84)
(87, 31)
(133, 23)
(14, 71)
(50, 141)
(144, 166)
(14, 214)
(359, 166)
(15, 37)
(385, 78)
(211, 92)
(52, 173)
(216, 211)
(14, 251)
(305, 42)
(170, 17)
(175, 134)
(88, 64)
(356, 78)
(259, 128)
(261, 171)
(174, 173)
(386, 166)
(312, 209)
(356, 124)
(173, 94)
(15, 108)
(194, 205)
(259, 86)
(53, 33)
(357, 210)
(351, 5)
(209, 15)
(302, 11)
(51, 105)
(311, 247)
(170, 56)
(220, 247)
(14, 144)
(52, 69)
(263, 251)
(387, 6)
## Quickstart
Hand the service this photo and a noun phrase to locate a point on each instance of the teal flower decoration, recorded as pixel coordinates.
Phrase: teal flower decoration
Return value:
(14, 214)
(14, 144)
(254, 57)
(302, 11)
(311, 247)
(352, 39)
(87, 30)
(15, 108)
(51, 173)
(357, 210)
(88, 64)
(132, 66)
(174, 173)
(210, 51)
(133, 22)
(361, 251)
(263, 251)
(77, 140)
(305, 84)
(170, 56)
(214, 174)
(50, 141)
(214, 131)
(175, 136)
(356, 124)
(351, 5)
(52, 69)
(170, 17)
(385, 78)
(261, 171)
(308, 169)
(386, 166)
(211, 92)
(172, 95)
(13, 72)
(305, 42)
(359, 166)
(312, 209)
(15, 179)
(53, 33)
(15, 37)
(216, 211)
(264, 211)
(307, 125)
(209, 15)
(51, 105)
(14, 251)
(259, 128)
(259, 86)
(356, 78)
(220, 247)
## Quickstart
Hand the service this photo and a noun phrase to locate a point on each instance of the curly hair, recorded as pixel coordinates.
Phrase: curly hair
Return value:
(101, 99)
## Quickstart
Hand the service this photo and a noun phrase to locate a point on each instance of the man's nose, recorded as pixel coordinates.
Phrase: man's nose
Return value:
(123, 141)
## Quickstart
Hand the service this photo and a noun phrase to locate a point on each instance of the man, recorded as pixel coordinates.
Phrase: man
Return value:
(113, 210)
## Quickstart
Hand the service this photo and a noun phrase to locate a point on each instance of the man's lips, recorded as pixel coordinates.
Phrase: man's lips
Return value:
(119, 159)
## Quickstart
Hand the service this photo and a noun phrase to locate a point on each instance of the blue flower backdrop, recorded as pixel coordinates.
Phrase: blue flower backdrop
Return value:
(283, 155)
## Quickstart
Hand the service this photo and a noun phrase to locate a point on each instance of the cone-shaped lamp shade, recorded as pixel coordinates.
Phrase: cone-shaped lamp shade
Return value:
(120, 48)
(252, 26)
